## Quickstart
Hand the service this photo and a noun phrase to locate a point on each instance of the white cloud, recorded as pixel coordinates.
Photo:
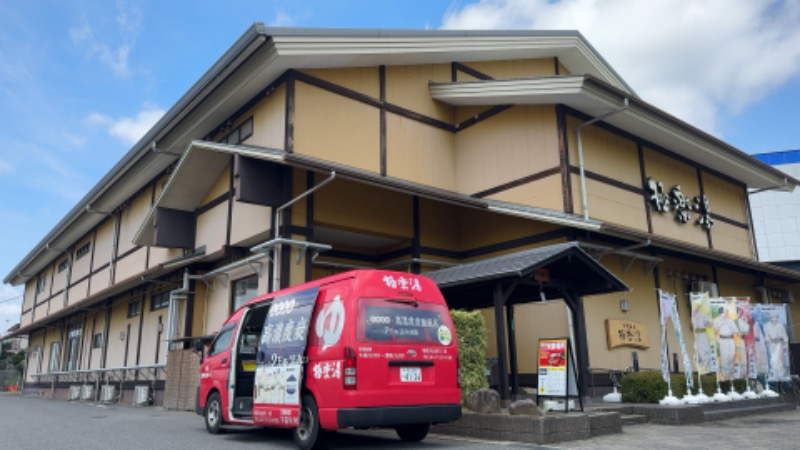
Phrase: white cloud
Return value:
(6, 167)
(282, 19)
(128, 129)
(110, 41)
(691, 58)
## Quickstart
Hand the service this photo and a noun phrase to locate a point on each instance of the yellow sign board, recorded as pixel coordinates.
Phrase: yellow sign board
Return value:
(627, 333)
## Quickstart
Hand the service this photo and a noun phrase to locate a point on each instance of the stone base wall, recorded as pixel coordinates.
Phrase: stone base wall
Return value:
(183, 378)
(535, 430)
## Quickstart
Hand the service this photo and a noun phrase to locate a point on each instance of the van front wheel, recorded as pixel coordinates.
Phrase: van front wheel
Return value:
(308, 435)
(413, 433)
(213, 414)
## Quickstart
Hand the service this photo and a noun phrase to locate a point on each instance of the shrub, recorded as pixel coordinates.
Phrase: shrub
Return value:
(471, 332)
(650, 387)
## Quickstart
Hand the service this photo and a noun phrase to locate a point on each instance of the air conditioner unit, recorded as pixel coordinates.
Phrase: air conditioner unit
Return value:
(108, 393)
(706, 286)
(87, 392)
(74, 393)
(141, 395)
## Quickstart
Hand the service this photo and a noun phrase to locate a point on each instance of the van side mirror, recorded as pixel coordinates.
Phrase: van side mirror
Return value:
(199, 348)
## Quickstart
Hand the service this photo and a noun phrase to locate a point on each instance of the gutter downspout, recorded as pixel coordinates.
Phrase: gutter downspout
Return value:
(584, 201)
(276, 269)
(174, 295)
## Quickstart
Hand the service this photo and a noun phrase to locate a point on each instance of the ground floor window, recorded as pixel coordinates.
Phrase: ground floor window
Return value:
(244, 289)
(73, 346)
(55, 356)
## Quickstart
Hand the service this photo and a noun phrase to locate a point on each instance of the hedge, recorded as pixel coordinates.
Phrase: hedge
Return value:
(650, 387)
(471, 332)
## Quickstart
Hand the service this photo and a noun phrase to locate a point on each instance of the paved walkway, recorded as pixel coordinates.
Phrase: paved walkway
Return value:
(768, 431)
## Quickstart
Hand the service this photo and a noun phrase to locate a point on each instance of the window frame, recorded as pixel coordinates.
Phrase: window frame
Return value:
(159, 301)
(235, 284)
(83, 250)
(134, 311)
(54, 365)
(98, 340)
(225, 333)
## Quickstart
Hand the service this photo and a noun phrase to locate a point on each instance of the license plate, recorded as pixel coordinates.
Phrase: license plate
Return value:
(410, 374)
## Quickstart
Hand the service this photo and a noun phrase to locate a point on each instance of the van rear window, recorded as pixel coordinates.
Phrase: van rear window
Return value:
(404, 321)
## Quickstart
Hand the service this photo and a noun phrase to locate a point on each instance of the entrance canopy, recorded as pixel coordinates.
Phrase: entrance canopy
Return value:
(471, 286)
(558, 271)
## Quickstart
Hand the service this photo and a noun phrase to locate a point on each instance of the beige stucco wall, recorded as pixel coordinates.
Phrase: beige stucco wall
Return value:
(130, 265)
(610, 203)
(81, 267)
(249, 221)
(604, 153)
(408, 87)
(335, 128)
(211, 227)
(364, 80)
(544, 193)
(671, 173)
(420, 153)
(269, 120)
(643, 308)
(118, 324)
(515, 143)
(131, 219)
(350, 205)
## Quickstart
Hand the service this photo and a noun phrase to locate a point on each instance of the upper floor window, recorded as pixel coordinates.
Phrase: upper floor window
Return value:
(240, 133)
(83, 251)
(62, 266)
(159, 301)
(41, 283)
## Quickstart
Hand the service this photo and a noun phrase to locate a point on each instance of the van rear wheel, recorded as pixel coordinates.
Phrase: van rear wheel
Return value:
(213, 414)
(413, 433)
(308, 434)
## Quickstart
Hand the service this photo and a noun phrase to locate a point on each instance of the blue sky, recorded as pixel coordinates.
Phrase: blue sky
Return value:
(82, 80)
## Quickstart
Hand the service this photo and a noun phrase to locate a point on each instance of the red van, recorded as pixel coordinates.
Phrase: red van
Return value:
(366, 348)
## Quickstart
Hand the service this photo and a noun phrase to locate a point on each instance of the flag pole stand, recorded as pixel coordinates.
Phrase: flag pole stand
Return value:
(701, 397)
(749, 394)
(689, 398)
(719, 396)
(733, 395)
(670, 400)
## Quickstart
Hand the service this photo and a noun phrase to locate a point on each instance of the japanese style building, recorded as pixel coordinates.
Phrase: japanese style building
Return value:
(307, 152)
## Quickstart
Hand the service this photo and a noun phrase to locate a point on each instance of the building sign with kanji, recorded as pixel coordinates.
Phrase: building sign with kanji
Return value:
(681, 205)
(626, 333)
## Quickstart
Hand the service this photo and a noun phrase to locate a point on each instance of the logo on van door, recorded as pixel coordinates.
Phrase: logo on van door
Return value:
(330, 323)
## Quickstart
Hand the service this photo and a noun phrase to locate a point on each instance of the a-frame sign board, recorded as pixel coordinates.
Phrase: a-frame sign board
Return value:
(557, 374)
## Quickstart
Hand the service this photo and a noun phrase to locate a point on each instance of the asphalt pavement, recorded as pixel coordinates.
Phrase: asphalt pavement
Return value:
(37, 423)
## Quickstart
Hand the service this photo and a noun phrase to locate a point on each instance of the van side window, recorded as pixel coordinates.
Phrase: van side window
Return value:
(221, 342)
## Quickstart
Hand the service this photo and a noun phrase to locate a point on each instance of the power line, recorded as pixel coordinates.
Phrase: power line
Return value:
(5, 300)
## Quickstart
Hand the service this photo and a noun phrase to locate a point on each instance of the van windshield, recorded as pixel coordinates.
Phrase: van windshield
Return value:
(396, 320)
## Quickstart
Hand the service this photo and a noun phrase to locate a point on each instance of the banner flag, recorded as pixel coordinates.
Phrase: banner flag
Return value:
(705, 341)
(771, 339)
(669, 310)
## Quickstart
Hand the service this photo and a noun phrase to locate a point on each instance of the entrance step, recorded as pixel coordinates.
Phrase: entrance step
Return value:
(722, 414)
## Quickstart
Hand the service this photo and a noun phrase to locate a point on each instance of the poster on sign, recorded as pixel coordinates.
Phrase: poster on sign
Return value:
(281, 354)
(556, 369)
